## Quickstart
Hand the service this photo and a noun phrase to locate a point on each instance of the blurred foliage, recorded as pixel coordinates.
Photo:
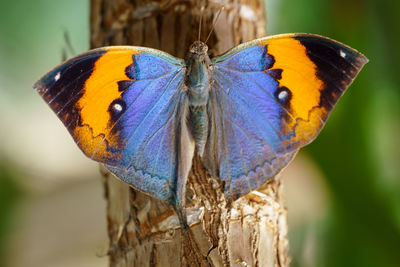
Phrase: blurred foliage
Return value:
(359, 149)
(9, 195)
(31, 42)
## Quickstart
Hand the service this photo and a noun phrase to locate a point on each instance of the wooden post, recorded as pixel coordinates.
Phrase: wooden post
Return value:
(144, 231)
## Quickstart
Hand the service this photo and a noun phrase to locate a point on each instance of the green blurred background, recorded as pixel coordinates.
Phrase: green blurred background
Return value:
(343, 190)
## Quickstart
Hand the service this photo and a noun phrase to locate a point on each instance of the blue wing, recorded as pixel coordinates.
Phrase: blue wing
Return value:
(270, 97)
(151, 127)
(243, 139)
(122, 106)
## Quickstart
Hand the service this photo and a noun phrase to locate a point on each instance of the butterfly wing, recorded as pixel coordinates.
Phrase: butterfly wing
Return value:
(270, 97)
(122, 107)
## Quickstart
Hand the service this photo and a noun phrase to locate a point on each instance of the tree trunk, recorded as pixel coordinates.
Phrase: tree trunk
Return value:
(144, 231)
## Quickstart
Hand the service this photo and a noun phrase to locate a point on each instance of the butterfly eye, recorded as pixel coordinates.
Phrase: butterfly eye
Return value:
(283, 95)
(117, 108)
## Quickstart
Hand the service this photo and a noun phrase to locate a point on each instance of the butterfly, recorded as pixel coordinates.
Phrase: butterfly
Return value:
(144, 114)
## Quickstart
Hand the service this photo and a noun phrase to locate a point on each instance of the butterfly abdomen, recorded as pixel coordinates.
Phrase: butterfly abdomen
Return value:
(198, 123)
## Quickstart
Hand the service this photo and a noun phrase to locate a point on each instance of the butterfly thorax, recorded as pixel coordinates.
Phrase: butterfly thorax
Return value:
(198, 85)
(197, 74)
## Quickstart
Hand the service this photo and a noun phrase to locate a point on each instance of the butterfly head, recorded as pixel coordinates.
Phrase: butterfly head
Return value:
(198, 48)
(198, 54)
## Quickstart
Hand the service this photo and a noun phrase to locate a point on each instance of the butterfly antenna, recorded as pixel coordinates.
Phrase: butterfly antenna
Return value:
(201, 21)
(214, 23)
(68, 44)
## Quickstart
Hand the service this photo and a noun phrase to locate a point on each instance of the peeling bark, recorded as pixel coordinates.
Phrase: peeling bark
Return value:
(144, 231)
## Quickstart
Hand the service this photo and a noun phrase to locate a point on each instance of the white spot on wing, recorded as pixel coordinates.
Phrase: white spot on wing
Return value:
(342, 54)
(57, 77)
(283, 95)
(117, 107)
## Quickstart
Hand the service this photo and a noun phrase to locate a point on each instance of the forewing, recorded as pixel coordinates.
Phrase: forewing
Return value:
(122, 107)
(270, 97)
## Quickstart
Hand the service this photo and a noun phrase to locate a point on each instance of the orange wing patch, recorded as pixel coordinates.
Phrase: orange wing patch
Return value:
(100, 90)
(299, 75)
(317, 71)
